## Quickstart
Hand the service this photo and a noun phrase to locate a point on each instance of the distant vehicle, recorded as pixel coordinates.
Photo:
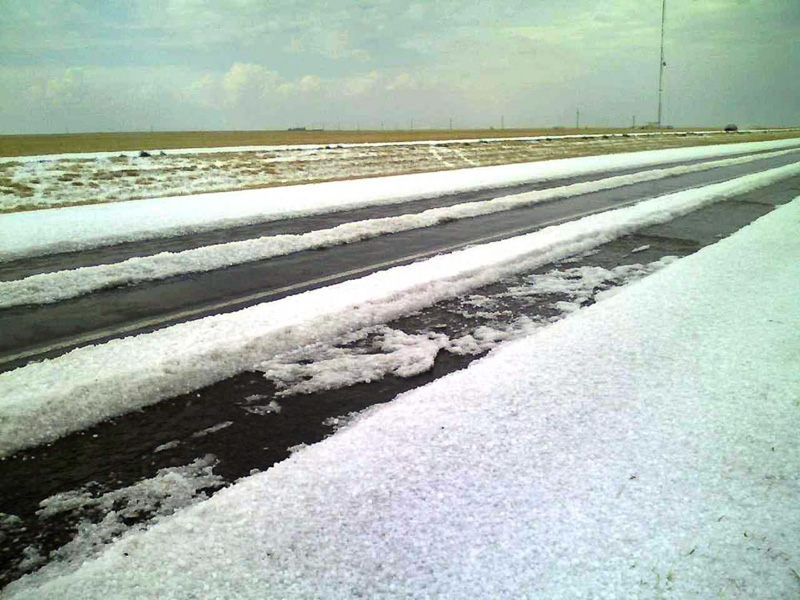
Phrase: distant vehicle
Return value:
(731, 127)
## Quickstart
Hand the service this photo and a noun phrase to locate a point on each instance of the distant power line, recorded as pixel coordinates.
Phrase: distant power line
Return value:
(662, 63)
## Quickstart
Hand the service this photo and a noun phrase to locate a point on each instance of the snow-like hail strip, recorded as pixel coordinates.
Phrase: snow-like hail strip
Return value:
(35, 233)
(61, 285)
(43, 401)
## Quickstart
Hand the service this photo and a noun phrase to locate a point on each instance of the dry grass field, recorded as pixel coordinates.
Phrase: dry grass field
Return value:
(29, 145)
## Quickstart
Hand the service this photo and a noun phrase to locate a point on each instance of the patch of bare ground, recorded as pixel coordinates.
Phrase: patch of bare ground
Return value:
(8, 185)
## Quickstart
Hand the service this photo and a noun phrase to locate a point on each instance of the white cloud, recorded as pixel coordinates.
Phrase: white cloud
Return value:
(310, 83)
(402, 81)
(64, 89)
(249, 63)
(246, 82)
(361, 84)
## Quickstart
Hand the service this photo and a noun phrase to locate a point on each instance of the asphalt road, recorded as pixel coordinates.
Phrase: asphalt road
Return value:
(42, 331)
(70, 260)
(120, 452)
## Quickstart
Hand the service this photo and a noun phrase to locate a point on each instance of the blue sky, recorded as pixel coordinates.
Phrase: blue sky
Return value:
(89, 65)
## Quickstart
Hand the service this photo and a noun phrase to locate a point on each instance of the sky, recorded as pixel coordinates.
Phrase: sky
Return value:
(136, 65)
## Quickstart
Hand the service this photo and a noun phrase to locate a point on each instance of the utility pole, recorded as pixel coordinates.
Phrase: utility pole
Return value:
(662, 64)
(502, 121)
(577, 118)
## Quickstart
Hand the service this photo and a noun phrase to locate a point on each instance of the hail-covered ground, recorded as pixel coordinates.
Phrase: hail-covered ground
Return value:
(641, 447)
(37, 182)
(645, 446)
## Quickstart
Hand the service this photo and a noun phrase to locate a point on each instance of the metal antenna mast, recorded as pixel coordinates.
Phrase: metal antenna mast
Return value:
(662, 64)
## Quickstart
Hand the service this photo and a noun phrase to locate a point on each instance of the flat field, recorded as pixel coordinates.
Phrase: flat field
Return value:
(29, 145)
(172, 168)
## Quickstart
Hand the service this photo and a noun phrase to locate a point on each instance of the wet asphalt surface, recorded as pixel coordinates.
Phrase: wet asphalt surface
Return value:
(120, 452)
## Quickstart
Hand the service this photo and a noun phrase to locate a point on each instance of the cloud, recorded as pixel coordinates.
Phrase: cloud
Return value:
(64, 89)
(249, 82)
(100, 99)
(401, 81)
(310, 83)
(359, 85)
(249, 63)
